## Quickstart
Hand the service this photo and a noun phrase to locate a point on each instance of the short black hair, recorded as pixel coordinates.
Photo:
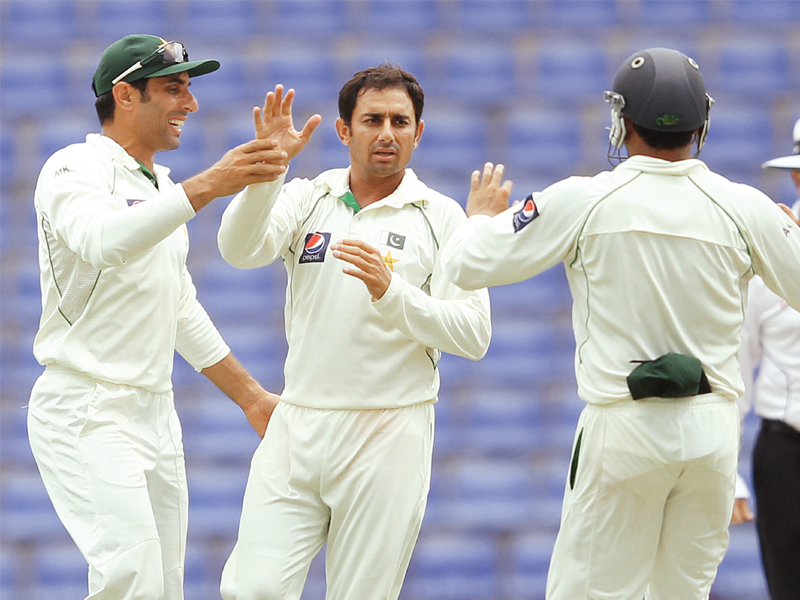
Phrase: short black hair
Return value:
(104, 105)
(385, 75)
(663, 140)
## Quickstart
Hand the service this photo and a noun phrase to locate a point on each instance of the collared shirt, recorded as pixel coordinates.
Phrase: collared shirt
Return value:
(117, 299)
(346, 351)
(658, 255)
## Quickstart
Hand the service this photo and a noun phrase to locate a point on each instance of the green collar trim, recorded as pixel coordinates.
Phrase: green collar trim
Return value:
(147, 173)
(350, 200)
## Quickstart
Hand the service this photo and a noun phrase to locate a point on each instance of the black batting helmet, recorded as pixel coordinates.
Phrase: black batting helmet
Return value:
(659, 89)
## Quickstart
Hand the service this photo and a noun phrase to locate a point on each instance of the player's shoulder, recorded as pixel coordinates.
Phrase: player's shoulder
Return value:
(79, 158)
(327, 181)
(427, 196)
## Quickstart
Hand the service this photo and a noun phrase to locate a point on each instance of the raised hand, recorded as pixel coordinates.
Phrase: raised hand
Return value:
(487, 195)
(275, 122)
(256, 161)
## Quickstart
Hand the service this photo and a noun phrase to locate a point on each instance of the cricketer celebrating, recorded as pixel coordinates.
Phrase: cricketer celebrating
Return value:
(347, 455)
(117, 301)
(658, 253)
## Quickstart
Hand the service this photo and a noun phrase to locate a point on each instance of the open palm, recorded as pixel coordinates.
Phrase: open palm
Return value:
(275, 122)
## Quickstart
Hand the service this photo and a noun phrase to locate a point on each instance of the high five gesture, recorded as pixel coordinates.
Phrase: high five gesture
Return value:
(275, 122)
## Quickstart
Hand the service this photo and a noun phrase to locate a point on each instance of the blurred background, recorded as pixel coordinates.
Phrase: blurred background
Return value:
(519, 82)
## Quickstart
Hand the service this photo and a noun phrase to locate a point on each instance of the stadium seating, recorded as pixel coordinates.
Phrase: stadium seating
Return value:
(511, 81)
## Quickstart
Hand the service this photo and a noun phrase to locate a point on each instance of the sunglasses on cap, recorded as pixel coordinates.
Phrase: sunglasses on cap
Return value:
(171, 53)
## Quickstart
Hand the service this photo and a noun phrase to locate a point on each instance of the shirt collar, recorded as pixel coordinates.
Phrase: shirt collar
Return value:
(650, 164)
(410, 190)
(118, 154)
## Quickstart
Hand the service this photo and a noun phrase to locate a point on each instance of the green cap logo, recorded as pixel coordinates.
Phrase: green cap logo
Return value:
(667, 120)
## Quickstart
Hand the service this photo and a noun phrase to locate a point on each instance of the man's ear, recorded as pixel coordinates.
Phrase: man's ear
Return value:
(343, 131)
(418, 133)
(123, 95)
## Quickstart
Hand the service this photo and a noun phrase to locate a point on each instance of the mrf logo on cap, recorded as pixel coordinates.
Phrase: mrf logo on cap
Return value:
(315, 246)
(526, 214)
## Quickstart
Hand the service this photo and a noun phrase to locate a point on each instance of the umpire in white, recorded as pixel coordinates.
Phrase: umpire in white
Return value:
(658, 254)
(117, 302)
(771, 345)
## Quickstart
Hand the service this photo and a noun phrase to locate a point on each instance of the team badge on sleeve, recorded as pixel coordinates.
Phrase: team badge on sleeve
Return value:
(527, 213)
(315, 247)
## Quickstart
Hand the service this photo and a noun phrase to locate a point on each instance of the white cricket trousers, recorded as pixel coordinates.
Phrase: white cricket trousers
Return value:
(111, 458)
(356, 478)
(648, 501)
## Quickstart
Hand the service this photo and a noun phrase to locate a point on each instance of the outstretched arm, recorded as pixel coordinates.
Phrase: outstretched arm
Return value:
(275, 122)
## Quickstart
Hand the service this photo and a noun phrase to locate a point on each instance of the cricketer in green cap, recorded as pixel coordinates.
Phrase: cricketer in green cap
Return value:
(139, 56)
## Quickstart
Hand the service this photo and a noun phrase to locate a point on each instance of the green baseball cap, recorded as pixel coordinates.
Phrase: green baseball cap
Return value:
(140, 56)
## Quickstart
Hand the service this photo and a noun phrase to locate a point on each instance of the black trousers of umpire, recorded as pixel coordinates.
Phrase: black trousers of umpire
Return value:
(776, 483)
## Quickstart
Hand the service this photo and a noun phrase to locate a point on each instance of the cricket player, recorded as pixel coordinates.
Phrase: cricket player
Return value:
(771, 345)
(658, 253)
(117, 302)
(347, 455)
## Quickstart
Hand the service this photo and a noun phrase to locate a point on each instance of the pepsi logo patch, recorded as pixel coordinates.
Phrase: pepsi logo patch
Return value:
(527, 213)
(314, 248)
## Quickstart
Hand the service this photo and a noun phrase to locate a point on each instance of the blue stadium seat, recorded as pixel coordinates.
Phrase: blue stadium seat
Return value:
(531, 560)
(665, 14)
(231, 19)
(117, 19)
(8, 168)
(765, 12)
(454, 141)
(546, 141)
(738, 141)
(409, 57)
(215, 500)
(410, 18)
(39, 23)
(504, 422)
(32, 83)
(759, 67)
(516, 335)
(594, 14)
(453, 567)
(327, 17)
(482, 73)
(61, 572)
(8, 572)
(310, 71)
(232, 82)
(571, 72)
(504, 15)
(28, 514)
(490, 495)
(57, 131)
(15, 449)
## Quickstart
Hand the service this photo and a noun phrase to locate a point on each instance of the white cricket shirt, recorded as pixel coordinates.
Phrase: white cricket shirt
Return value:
(771, 341)
(344, 350)
(117, 299)
(658, 255)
